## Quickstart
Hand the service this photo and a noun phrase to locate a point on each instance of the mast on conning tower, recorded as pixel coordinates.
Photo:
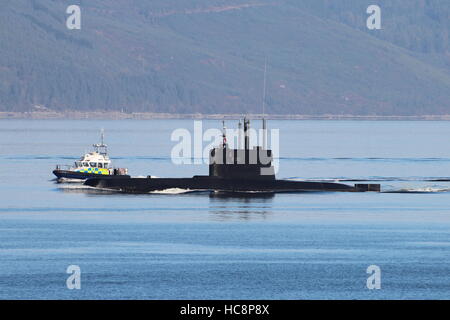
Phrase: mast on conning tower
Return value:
(239, 135)
(264, 128)
(246, 134)
(224, 135)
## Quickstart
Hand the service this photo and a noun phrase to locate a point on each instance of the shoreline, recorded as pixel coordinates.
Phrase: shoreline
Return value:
(113, 115)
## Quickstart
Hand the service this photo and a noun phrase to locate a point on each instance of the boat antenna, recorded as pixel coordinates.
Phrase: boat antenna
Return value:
(97, 146)
(103, 136)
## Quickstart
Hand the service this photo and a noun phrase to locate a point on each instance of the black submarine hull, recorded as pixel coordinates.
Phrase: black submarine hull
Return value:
(145, 185)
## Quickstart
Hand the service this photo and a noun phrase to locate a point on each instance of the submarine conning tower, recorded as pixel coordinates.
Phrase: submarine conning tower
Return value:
(242, 163)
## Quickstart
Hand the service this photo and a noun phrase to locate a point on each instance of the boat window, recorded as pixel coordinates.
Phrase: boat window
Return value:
(106, 165)
(85, 164)
(100, 165)
(93, 164)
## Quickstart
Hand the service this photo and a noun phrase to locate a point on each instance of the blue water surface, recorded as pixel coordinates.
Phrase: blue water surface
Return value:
(208, 246)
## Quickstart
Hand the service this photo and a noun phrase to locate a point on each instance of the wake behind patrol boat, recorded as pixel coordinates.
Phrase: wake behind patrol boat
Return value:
(92, 164)
(241, 170)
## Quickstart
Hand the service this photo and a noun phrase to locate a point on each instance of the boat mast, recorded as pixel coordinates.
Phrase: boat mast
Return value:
(102, 145)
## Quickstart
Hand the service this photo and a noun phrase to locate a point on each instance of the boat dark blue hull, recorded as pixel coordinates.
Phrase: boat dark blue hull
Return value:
(66, 174)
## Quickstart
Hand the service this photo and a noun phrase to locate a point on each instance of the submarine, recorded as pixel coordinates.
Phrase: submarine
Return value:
(241, 170)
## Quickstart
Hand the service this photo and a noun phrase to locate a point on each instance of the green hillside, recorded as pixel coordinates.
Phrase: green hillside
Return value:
(207, 56)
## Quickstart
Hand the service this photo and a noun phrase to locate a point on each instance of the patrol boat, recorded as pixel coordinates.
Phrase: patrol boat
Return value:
(241, 170)
(92, 164)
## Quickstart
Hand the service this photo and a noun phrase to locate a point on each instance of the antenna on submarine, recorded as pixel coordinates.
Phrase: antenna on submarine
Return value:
(264, 144)
(224, 135)
(246, 134)
(239, 134)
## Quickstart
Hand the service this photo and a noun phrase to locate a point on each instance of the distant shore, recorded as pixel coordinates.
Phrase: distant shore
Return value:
(112, 115)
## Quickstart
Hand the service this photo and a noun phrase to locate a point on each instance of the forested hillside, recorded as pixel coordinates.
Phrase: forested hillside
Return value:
(207, 56)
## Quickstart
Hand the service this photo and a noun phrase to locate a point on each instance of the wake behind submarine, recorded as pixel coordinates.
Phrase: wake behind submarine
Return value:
(241, 170)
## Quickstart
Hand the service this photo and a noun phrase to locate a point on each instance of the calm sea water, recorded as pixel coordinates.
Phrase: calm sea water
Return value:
(203, 246)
